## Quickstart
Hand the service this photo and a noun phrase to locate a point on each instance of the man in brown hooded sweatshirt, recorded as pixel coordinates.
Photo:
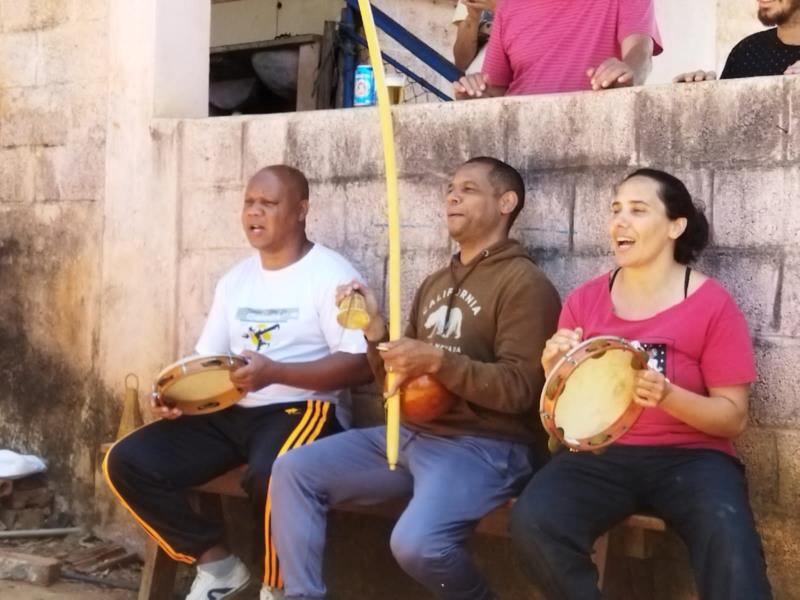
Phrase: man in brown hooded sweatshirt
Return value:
(479, 327)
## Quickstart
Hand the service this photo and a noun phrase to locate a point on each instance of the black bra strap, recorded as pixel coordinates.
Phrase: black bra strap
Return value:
(613, 277)
(686, 282)
(614, 274)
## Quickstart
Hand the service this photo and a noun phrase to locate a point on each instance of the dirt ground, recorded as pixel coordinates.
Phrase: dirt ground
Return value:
(63, 548)
(62, 590)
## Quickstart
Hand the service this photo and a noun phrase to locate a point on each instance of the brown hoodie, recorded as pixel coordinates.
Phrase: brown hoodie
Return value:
(492, 318)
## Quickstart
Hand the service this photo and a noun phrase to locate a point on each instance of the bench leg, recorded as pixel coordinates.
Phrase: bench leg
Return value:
(599, 556)
(637, 543)
(158, 574)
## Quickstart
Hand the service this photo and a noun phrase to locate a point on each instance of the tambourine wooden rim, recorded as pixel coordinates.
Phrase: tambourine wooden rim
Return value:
(592, 348)
(193, 365)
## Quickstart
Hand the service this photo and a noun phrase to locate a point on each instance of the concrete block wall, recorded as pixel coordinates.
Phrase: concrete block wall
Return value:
(53, 94)
(734, 143)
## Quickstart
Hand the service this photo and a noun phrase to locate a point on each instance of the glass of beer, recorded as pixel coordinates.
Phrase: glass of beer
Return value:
(395, 83)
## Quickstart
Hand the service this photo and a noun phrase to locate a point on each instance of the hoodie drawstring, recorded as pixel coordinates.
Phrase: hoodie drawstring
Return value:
(458, 285)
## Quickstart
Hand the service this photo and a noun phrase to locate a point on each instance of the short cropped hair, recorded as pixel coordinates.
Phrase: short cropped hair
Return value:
(504, 178)
(293, 179)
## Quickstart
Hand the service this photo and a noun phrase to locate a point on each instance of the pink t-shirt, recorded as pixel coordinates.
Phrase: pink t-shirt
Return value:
(546, 46)
(699, 343)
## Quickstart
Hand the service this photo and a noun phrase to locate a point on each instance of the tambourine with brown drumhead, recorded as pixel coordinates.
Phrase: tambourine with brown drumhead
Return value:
(199, 385)
(587, 400)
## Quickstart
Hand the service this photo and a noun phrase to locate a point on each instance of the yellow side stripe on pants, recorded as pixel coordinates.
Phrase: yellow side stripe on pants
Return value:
(314, 435)
(306, 432)
(169, 550)
(270, 556)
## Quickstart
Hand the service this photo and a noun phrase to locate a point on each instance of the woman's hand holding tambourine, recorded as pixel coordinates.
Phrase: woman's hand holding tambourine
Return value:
(651, 388)
(557, 346)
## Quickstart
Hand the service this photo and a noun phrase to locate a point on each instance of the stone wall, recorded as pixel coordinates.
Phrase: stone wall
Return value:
(53, 84)
(736, 145)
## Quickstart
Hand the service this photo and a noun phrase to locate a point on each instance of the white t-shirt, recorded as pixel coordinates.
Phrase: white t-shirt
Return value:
(288, 315)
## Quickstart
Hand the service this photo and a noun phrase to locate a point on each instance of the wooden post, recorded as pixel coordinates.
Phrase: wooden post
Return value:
(307, 64)
(327, 61)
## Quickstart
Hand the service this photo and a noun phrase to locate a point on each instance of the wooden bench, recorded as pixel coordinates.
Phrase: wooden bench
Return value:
(158, 575)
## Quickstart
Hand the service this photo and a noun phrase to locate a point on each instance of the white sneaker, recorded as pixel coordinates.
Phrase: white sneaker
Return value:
(207, 587)
(268, 593)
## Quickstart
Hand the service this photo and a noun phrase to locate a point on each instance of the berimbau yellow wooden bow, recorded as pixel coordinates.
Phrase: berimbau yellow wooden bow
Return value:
(387, 136)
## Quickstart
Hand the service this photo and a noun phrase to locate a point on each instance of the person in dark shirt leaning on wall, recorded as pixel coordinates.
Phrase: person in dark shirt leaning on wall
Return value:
(775, 51)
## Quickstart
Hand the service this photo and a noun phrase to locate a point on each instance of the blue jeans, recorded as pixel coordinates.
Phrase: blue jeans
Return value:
(701, 494)
(452, 482)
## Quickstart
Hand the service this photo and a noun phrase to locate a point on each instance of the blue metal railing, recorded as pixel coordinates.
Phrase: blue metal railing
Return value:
(405, 38)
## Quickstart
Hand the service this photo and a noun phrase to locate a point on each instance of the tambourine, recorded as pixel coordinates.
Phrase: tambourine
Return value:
(587, 399)
(200, 385)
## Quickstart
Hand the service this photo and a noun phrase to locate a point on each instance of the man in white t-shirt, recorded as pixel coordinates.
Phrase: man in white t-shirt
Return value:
(277, 309)
(473, 19)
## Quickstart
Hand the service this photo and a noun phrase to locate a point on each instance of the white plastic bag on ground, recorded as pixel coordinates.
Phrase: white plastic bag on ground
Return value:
(14, 466)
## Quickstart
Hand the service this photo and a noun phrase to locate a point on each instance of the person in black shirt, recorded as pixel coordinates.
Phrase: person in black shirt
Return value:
(775, 51)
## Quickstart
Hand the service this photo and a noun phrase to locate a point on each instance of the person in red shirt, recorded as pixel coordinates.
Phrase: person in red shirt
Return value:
(552, 46)
(677, 460)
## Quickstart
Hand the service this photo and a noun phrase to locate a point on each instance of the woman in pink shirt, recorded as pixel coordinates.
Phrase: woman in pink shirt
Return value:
(677, 460)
